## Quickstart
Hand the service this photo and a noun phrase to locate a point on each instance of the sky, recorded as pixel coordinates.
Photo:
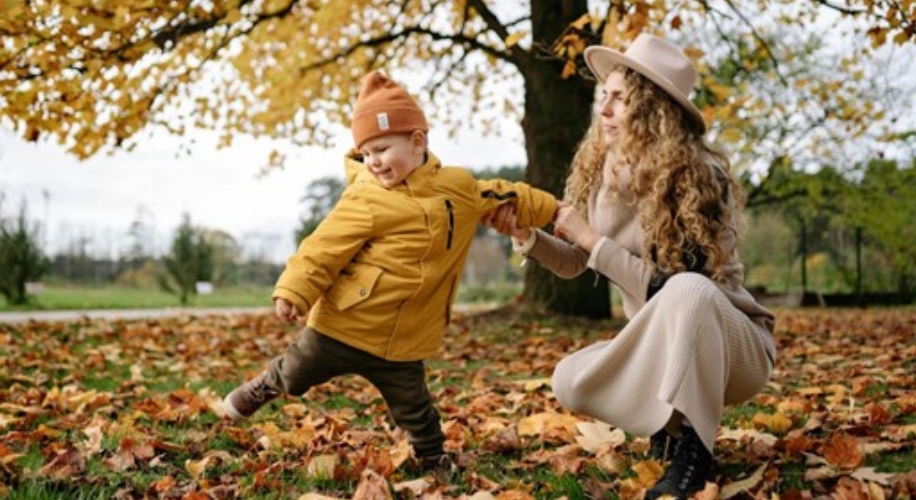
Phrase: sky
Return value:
(98, 199)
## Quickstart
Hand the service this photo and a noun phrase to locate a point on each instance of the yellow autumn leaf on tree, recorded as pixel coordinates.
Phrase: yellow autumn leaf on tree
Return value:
(730, 135)
(569, 69)
(233, 16)
(580, 23)
(514, 38)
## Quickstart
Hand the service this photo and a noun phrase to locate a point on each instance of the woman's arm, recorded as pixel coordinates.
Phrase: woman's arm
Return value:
(558, 256)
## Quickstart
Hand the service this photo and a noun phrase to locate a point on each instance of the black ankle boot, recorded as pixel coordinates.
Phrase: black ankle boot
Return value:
(690, 466)
(661, 445)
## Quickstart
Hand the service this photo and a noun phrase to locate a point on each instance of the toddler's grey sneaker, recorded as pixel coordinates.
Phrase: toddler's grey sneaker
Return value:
(247, 398)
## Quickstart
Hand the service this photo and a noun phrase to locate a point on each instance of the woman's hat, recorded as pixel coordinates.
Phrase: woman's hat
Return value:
(655, 59)
(382, 108)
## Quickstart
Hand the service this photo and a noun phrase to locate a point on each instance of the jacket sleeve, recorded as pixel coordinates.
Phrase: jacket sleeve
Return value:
(322, 255)
(535, 208)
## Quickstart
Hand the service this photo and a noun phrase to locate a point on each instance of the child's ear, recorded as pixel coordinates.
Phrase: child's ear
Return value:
(418, 141)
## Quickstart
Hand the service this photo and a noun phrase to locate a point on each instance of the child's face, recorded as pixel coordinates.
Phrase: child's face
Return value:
(391, 158)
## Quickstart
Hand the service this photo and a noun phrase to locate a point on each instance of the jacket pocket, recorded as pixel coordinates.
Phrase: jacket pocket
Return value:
(354, 287)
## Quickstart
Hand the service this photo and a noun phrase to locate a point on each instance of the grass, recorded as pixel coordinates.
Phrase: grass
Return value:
(75, 297)
(56, 297)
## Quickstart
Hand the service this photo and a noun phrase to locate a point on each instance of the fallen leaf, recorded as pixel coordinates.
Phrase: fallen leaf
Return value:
(64, 465)
(415, 488)
(372, 487)
(514, 495)
(747, 484)
(540, 423)
(597, 436)
(316, 496)
(197, 467)
(843, 451)
(869, 474)
(531, 385)
(321, 467)
(776, 422)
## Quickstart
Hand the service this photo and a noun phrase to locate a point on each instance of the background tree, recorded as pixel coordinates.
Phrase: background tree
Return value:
(21, 256)
(190, 259)
(93, 75)
(810, 203)
(882, 210)
(320, 197)
(225, 256)
(856, 220)
(138, 261)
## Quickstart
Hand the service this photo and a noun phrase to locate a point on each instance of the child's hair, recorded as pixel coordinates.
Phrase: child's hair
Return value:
(686, 199)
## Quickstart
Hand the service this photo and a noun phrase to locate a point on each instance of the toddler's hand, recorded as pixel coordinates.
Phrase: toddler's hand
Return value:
(505, 221)
(286, 310)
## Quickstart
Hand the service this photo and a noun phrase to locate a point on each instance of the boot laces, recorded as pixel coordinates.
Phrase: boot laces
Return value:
(259, 392)
(691, 459)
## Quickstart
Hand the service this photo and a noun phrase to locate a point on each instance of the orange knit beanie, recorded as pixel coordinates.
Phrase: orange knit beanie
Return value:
(383, 108)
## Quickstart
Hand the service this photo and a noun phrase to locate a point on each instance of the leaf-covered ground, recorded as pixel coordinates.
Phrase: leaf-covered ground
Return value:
(125, 410)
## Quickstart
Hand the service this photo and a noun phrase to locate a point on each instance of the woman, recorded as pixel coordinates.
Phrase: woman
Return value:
(662, 221)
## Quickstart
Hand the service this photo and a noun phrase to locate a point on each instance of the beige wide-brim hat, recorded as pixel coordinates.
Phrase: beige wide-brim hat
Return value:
(655, 59)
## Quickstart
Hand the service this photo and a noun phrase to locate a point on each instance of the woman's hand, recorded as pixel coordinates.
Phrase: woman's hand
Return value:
(505, 221)
(571, 226)
(286, 310)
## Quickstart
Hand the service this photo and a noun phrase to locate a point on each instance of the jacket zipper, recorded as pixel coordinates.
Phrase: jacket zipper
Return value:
(451, 224)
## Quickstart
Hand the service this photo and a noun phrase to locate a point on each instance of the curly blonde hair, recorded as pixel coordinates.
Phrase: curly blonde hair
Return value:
(687, 201)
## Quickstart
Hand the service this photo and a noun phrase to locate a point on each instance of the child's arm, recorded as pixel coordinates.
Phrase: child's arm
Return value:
(534, 207)
(322, 255)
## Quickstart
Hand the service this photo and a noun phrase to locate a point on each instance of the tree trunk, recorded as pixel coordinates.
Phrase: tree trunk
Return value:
(859, 265)
(557, 114)
(804, 256)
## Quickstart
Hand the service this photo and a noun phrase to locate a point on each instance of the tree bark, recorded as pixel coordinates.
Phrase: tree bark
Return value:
(557, 114)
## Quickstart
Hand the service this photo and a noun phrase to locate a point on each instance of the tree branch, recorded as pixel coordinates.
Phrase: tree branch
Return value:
(763, 43)
(839, 8)
(457, 38)
(489, 18)
(172, 33)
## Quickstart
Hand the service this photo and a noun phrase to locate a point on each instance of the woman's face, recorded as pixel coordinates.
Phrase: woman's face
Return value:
(611, 107)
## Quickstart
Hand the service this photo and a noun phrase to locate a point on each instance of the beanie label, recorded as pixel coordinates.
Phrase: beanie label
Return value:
(383, 121)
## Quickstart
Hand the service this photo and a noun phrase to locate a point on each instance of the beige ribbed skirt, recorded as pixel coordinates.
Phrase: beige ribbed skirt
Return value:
(688, 349)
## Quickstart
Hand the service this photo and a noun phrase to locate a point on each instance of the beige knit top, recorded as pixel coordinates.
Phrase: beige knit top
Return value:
(618, 256)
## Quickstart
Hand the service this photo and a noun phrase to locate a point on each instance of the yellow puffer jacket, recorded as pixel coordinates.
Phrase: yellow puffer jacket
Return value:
(381, 271)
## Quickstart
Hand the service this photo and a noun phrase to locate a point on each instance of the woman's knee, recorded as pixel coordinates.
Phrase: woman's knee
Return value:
(687, 291)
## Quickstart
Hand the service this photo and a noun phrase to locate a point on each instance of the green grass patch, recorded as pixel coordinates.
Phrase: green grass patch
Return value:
(899, 461)
(73, 297)
(42, 489)
(738, 416)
